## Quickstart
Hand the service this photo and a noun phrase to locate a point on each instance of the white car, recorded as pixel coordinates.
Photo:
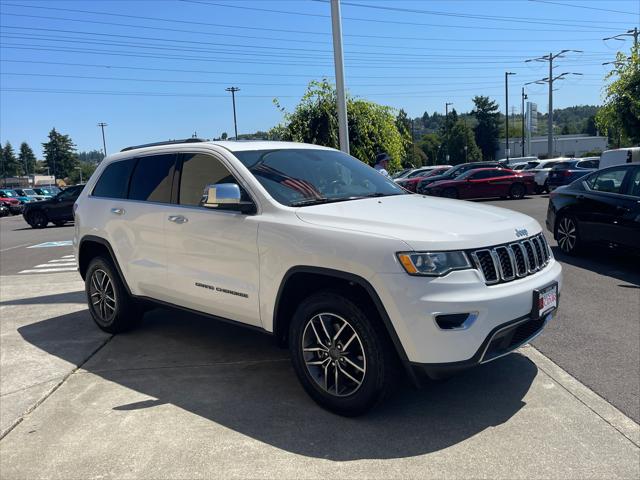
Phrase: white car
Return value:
(358, 277)
(542, 170)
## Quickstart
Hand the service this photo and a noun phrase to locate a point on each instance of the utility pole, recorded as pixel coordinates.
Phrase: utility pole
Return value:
(524, 97)
(446, 130)
(506, 117)
(341, 99)
(233, 91)
(104, 143)
(550, 79)
(634, 32)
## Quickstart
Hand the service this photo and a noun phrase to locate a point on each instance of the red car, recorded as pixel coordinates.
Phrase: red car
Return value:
(484, 183)
(12, 204)
(412, 182)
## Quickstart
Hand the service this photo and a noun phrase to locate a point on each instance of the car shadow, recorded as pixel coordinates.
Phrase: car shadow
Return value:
(66, 225)
(67, 297)
(605, 261)
(239, 379)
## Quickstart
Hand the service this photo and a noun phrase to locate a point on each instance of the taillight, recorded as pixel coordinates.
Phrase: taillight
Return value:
(567, 173)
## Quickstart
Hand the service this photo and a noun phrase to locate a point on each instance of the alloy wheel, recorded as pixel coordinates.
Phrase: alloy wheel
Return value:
(102, 295)
(333, 354)
(567, 234)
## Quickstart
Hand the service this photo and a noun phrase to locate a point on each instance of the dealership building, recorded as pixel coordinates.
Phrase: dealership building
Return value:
(563, 146)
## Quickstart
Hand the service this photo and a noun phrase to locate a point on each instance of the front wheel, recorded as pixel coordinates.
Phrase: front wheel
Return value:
(450, 193)
(59, 223)
(38, 219)
(340, 354)
(567, 235)
(517, 191)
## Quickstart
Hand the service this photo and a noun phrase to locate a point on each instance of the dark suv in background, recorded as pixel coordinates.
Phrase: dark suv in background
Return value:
(566, 172)
(58, 209)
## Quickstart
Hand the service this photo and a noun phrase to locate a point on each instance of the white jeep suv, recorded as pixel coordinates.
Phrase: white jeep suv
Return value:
(357, 276)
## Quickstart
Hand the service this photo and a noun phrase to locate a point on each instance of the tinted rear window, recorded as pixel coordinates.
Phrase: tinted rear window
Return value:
(114, 181)
(152, 178)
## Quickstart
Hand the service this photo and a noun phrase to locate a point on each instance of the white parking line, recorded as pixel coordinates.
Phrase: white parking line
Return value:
(64, 264)
(48, 270)
(47, 265)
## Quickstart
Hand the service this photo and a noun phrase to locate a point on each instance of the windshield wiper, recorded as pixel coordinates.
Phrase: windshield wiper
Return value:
(310, 201)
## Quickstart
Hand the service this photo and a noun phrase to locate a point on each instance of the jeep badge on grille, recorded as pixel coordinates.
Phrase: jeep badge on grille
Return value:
(521, 233)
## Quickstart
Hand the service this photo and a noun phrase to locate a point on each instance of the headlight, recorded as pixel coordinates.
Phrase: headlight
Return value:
(433, 263)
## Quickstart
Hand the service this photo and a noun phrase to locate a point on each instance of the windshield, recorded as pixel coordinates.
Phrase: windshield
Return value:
(29, 192)
(8, 193)
(297, 177)
(565, 165)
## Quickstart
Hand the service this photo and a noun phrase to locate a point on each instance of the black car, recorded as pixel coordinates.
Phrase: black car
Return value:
(602, 207)
(58, 209)
(564, 173)
(454, 172)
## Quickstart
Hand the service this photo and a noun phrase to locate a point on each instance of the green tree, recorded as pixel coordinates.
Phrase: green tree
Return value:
(10, 165)
(620, 113)
(60, 154)
(430, 145)
(487, 129)
(224, 136)
(460, 144)
(87, 170)
(372, 127)
(27, 158)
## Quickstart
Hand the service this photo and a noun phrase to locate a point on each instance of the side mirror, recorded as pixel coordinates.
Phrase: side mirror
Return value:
(226, 195)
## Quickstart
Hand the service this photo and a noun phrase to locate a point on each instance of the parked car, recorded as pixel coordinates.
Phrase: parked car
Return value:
(45, 193)
(542, 170)
(620, 156)
(484, 183)
(511, 161)
(455, 172)
(412, 182)
(13, 204)
(564, 173)
(29, 193)
(518, 166)
(13, 194)
(4, 211)
(402, 173)
(601, 207)
(58, 209)
(318, 249)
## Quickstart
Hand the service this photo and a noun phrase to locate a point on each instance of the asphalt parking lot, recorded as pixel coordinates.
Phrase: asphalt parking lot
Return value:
(185, 397)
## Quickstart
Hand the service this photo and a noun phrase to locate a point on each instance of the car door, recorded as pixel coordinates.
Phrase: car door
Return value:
(475, 185)
(601, 205)
(627, 225)
(498, 183)
(213, 256)
(61, 206)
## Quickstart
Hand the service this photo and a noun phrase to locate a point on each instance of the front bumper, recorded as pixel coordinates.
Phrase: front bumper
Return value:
(413, 303)
(16, 209)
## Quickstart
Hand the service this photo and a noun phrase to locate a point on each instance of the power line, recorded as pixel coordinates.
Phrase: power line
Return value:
(372, 20)
(584, 6)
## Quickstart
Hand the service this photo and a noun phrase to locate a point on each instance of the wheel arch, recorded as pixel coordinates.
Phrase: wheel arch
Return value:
(300, 281)
(91, 246)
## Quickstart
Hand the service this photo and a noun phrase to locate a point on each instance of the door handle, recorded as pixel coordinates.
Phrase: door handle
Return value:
(179, 219)
(117, 211)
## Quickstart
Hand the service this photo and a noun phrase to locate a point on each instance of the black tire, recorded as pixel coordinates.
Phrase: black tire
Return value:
(370, 349)
(59, 223)
(546, 187)
(538, 189)
(450, 193)
(38, 219)
(568, 235)
(110, 305)
(517, 191)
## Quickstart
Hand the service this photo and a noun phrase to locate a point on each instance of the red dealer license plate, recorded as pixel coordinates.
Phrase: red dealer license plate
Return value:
(546, 299)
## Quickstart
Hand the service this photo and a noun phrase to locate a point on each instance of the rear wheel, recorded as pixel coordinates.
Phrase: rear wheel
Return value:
(110, 305)
(38, 219)
(546, 187)
(567, 235)
(450, 193)
(59, 223)
(340, 354)
(517, 191)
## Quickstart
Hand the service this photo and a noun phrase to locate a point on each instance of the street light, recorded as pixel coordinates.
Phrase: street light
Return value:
(506, 118)
(80, 168)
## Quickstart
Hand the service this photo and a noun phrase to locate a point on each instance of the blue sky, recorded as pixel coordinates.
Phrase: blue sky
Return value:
(156, 69)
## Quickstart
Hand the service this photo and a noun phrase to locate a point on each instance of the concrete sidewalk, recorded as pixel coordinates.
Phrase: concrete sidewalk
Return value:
(186, 397)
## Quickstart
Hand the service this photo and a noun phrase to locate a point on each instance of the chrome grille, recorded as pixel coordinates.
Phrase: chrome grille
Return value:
(504, 263)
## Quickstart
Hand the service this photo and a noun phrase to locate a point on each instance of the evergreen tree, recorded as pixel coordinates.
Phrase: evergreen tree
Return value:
(10, 165)
(60, 154)
(487, 130)
(27, 158)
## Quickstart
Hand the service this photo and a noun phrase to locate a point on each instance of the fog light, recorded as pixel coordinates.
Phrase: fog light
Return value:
(455, 321)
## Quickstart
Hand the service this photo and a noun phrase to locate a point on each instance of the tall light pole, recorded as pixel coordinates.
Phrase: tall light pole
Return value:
(104, 143)
(629, 33)
(233, 91)
(446, 130)
(550, 79)
(80, 169)
(506, 117)
(524, 97)
(341, 99)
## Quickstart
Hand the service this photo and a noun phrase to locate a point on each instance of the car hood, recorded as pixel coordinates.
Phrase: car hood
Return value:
(9, 200)
(423, 223)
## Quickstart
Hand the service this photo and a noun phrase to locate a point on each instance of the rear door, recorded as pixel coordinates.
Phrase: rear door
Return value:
(61, 207)
(499, 183)
(213, 253)
(628, 221)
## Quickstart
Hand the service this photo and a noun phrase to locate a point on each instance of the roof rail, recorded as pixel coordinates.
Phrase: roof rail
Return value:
(167, 142)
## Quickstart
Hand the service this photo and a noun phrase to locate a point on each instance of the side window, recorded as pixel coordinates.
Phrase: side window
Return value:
(609, 181)
(588, 164)
(500, 173)
(152, 178)
(69, 193)
(481, 175)
(199, 171)
(114, 180)
(634, 185)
